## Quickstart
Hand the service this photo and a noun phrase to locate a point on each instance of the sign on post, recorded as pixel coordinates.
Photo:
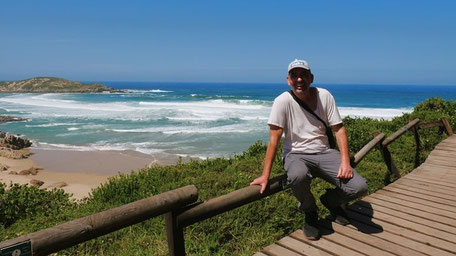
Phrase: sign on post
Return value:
(19, 249)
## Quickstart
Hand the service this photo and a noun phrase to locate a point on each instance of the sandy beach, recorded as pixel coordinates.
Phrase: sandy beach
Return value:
(81, 171)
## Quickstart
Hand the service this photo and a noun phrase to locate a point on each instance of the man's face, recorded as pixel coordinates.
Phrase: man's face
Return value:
(299, 79)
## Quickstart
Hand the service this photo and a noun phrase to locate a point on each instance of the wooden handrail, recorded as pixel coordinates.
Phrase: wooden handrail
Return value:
(230, 201)
(399, 132)
(441, 123)
(367, 148)
(65, 235)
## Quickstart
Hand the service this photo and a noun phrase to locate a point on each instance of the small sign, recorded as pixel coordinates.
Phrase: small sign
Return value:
(19, 249)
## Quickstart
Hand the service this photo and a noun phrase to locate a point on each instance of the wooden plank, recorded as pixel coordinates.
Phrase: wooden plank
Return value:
(406, 221)
(445, 147)
(444, 161)
(278, 250)
(448, 222)
(427, 183)
(444, 151)
(440, 170)
(424, 192)
(425, 186)
(414, 205)
(385, 245)
(451, 138)
(377, 206)
(435, 176)
(428, 244)
(441, 183)
(325, 245)
(447, 208)
(442, 154)
(354, 244)
(421, 196)
(301, 247)
(447, 142)
(437, 168)
(399, 239)
(440, 161)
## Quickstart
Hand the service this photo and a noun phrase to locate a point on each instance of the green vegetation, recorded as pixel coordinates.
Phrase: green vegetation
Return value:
(239, 232)
(51, 84)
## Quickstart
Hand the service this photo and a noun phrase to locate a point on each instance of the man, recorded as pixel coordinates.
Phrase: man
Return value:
(306, 150)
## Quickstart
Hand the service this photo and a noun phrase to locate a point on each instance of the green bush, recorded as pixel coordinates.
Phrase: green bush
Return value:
(23, 201)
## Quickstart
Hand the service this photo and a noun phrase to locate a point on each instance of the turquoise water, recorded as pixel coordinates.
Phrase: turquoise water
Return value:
(188, 119)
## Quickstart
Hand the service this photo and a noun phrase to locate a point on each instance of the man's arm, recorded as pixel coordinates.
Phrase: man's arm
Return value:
(275, 133)
(345, 170)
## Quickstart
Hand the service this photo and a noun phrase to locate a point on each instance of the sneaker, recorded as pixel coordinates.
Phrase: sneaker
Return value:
(310, 228)
(338, 214)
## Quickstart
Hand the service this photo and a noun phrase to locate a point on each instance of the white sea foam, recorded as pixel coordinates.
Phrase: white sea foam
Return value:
(51, 125)
(375, 113)
(146, 91)
(73, 129)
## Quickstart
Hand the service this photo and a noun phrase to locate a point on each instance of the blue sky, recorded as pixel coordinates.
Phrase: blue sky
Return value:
(362, 42)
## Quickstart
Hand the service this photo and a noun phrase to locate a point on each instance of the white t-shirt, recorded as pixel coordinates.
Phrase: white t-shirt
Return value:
(303, 132)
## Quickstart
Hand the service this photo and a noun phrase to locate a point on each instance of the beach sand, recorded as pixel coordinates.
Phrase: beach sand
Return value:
(82, 171)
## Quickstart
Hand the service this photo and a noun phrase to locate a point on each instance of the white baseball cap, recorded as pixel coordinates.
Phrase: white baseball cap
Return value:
(298, 64)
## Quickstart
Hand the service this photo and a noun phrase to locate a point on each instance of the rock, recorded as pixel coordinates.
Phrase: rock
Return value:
(3, 167)
(38, 183)
(4, 119)
(60, 184)
(14, 154)
(13, 173)
(32, 171)
(13, 142)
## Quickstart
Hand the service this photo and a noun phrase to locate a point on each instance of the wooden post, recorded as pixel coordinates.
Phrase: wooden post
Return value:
(389, 161)
(448, 129)
(387, 157)
(418, 146)
(174, 234)
(65, 235)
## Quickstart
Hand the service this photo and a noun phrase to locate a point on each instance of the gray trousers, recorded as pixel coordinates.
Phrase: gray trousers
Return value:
(301, 168)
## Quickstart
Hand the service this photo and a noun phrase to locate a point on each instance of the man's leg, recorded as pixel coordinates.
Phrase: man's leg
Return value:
(299, 179)
(346, 189)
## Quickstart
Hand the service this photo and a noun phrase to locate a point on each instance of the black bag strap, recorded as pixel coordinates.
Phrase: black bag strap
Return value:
(329, 133)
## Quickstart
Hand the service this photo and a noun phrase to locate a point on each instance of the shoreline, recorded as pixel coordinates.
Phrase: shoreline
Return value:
(81, 171)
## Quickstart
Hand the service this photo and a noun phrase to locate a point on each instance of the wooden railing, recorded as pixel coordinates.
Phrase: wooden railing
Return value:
(179, 207)
(68, 234)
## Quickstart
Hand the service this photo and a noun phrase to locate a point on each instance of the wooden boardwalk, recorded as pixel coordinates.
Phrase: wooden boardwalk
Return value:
(415, 215)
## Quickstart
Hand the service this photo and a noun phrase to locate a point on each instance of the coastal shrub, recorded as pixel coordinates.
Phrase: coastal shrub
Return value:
(23, 201)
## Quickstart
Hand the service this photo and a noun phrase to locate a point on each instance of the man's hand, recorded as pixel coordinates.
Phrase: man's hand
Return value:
(345, 171)
(262, 181)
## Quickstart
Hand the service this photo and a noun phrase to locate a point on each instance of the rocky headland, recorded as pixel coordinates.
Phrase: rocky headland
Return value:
(52, 84)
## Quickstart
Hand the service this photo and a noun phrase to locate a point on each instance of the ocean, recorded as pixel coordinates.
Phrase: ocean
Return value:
(186, 119)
